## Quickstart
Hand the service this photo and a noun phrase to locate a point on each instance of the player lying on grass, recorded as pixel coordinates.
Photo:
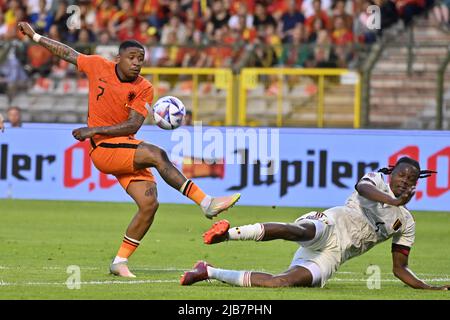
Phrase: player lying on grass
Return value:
(118, 96)
(374, 213)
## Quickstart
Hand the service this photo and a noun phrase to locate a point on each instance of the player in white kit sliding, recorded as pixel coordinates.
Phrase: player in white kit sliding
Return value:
(374, 213)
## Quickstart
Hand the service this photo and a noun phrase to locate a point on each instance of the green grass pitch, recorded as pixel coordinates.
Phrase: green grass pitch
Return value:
(39, 240)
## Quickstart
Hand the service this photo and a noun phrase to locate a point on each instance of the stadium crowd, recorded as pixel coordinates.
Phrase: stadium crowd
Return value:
(195, 33)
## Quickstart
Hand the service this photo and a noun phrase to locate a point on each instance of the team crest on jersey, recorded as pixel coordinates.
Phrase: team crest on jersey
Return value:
(131, 96)
(397, 224)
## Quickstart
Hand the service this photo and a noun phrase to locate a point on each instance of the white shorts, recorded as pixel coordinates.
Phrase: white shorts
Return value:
(321, 255)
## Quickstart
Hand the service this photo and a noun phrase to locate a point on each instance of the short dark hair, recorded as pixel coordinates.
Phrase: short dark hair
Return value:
(130, 44)
(410, 161)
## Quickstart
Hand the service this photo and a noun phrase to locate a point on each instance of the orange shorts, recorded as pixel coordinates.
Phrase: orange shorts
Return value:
(116, 156)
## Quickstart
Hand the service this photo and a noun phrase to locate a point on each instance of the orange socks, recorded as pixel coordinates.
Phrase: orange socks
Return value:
(193, 192)
(127, 248)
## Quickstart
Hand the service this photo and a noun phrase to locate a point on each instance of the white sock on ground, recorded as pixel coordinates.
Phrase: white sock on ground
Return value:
(237, 278)
(247, 232)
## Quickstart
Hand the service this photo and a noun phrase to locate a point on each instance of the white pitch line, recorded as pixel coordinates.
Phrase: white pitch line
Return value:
(134, 282)
(3, 283)
(94, 268)
(385, 280)
(141, 268)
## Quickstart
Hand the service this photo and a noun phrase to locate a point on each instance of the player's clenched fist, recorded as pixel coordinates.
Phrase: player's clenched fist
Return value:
(26, 29)
(83, 133)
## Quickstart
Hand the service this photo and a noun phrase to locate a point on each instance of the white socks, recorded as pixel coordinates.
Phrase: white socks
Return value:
(206, 202)
(247, 232)
(118, 259)
(237, 278)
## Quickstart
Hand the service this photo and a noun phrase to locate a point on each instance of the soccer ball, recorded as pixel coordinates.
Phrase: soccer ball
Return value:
(168, 112)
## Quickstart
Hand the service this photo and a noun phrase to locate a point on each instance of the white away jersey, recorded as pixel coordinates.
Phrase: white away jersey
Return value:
(363, 223)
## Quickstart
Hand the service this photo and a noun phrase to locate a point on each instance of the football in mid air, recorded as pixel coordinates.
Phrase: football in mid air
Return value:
(168, 112)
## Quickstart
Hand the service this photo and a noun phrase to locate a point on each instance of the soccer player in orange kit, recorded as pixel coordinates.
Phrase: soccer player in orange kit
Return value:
(118, 96)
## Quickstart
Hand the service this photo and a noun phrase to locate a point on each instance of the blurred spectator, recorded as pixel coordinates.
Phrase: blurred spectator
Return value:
(297, 54)
(407, 9)
(324, 54)
(105, 47)
(290, 20)
(308, 7)
(43, 19)
(39, 60)
(219, 17)
(341, 34)
(342, 38)
(12, 62)
(84, 39)
(388, 12)
(126, 30)
(242, 13)
(105, 13)
(360, 30)
(441, 12)
(244, 33)
(14, 117)
(10, 14)
(87, 14)
(263, 55)
(318, 14)
(314, 30)
(235, 5)
(262, 18)
(34, 6)
(273, 39)
(147, 9)
(60, 19)
(220, 53)
(144, 33)
(276, 8)
(170, 53)
(119, 18)
(193, 54)
(339, 11)
(174, 26)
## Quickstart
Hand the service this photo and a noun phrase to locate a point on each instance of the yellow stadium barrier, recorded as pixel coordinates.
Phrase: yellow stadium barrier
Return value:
(222, 81)
(302, 97)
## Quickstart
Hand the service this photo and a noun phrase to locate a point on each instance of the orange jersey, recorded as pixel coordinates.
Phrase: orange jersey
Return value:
(110, 99)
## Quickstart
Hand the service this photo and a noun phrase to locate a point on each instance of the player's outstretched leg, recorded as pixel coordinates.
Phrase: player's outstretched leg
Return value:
(148, 155)
(221, 231)
(144, 193)
(198, 273)
(297, 276)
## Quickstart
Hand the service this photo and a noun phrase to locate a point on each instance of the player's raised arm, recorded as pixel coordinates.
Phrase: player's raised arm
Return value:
(371, 192)
(57, 48)
(402, 272)
(129, 127)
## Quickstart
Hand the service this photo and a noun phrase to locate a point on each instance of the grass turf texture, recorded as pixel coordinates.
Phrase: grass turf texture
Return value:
(40, 239)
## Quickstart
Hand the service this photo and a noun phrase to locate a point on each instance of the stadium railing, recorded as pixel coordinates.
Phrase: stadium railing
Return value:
(209, 87)
(304, 97)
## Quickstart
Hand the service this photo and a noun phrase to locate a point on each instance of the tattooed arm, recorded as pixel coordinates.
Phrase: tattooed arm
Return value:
(131, 126)
(57, 48)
